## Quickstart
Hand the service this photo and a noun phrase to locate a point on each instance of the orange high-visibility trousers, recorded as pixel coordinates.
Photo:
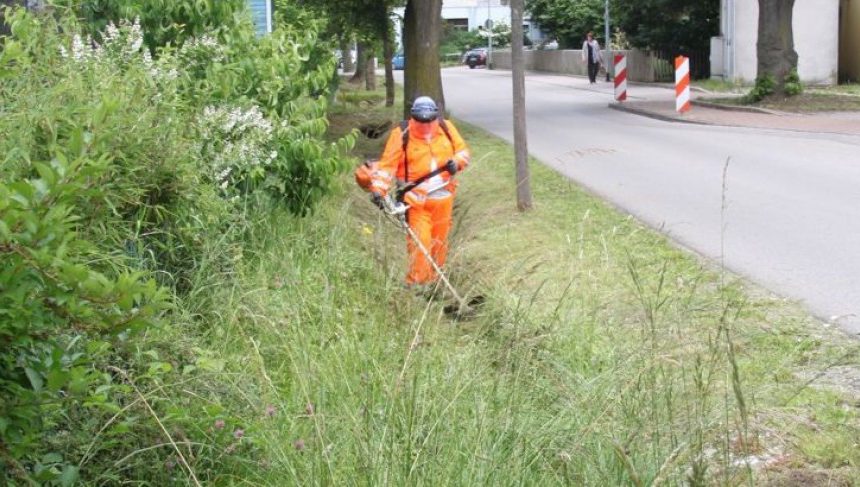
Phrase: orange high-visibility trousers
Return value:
(431, 223)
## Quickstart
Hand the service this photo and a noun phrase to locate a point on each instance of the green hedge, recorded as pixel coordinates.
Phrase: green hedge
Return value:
(132, 167)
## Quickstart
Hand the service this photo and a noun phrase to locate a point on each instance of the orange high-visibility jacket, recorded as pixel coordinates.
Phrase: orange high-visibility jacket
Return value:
(428, 148)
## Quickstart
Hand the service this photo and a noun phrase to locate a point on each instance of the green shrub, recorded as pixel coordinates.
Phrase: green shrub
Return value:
(793, 86)
(285, 75)
(114, 221)
(459, 41)
(164, 21)
(764, 86)
(60, 315)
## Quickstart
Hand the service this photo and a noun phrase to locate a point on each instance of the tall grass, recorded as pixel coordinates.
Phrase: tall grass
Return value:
(339, 377)
(602, 357)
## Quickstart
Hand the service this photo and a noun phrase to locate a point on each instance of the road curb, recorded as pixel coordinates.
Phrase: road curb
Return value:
(735, 108)
(666, 118)
(658, 116)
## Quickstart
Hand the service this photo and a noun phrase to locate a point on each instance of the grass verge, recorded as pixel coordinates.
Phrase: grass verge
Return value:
(844, 89)
(810, 101)
(719, 86)
(814, 99)
(600, 287)
(604, 355)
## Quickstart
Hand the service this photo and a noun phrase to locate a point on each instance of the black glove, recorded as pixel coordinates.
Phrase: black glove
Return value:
(376, 199)
(451, 167)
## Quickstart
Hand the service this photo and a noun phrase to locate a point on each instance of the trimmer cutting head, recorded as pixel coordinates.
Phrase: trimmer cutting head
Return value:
(465, 311)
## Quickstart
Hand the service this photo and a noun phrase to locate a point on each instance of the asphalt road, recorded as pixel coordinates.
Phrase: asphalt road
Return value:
(792, 223)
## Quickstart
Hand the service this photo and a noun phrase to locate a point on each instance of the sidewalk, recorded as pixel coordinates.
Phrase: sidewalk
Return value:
(845, 123)
(657, 100)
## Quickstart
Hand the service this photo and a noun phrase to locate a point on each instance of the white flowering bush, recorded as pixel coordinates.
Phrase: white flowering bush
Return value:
(203, 50)
(237, 143)
(121, 48)
(164, 22)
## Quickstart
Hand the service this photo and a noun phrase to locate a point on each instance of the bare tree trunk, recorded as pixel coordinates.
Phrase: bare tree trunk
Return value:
(524, 190)
(360, 64)
(423, 27)
(346, 54)
(775, 47)
(388, 54)
(370, 70)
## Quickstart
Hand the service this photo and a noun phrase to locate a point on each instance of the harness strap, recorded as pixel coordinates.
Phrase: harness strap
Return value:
(410, 186)
(404, 129)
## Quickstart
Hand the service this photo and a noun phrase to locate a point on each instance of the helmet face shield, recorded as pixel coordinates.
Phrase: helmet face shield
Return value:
(424, 109)
(425, 116)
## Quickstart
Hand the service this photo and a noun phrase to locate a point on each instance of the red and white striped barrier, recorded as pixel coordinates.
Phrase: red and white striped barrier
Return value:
(682, 84)
(620, 77)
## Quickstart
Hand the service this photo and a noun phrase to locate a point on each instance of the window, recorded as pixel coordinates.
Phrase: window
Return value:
(458, 24)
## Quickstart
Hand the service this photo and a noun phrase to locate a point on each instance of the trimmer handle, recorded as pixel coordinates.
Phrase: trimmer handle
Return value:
(387, 204)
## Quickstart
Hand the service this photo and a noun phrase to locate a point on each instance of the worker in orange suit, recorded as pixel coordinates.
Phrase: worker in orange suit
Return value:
(421, 146)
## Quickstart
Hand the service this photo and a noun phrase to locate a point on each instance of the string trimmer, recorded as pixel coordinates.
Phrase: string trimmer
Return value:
(397, 211)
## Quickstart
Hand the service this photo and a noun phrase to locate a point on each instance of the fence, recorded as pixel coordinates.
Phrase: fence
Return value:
(700, 64)
(642, 66)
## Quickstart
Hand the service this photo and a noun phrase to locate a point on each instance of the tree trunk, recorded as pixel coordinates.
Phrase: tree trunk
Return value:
(346, 54)
(775, 48)
(423, 27)
(524, 190)
(388, 54)
(360, 64)
(370, 70)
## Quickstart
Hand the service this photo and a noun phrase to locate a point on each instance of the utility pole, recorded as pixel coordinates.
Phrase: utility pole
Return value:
(608, 58)
(489, 26)
(524, 191)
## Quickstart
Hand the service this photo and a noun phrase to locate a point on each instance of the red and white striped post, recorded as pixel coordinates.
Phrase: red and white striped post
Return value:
(682, 84)
(620, 77)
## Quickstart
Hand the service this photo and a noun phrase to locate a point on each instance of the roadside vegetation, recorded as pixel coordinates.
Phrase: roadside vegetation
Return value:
(615, 358)
(816, 101)
(134, 174)
(192, 292)
(810, 101)
(719, 86)
(801, 100)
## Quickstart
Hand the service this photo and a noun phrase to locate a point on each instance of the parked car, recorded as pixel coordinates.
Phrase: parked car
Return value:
(399, 61)
(476, 57)
(548, 45)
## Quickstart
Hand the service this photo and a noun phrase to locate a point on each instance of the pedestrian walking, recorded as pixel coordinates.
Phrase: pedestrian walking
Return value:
(591, 55)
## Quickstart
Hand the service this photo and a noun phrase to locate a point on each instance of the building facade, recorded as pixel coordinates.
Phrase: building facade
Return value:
(817, 34)
(261, 15)
(473, 14)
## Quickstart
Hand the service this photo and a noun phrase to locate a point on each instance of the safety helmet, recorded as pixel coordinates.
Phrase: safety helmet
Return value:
(424, 109)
